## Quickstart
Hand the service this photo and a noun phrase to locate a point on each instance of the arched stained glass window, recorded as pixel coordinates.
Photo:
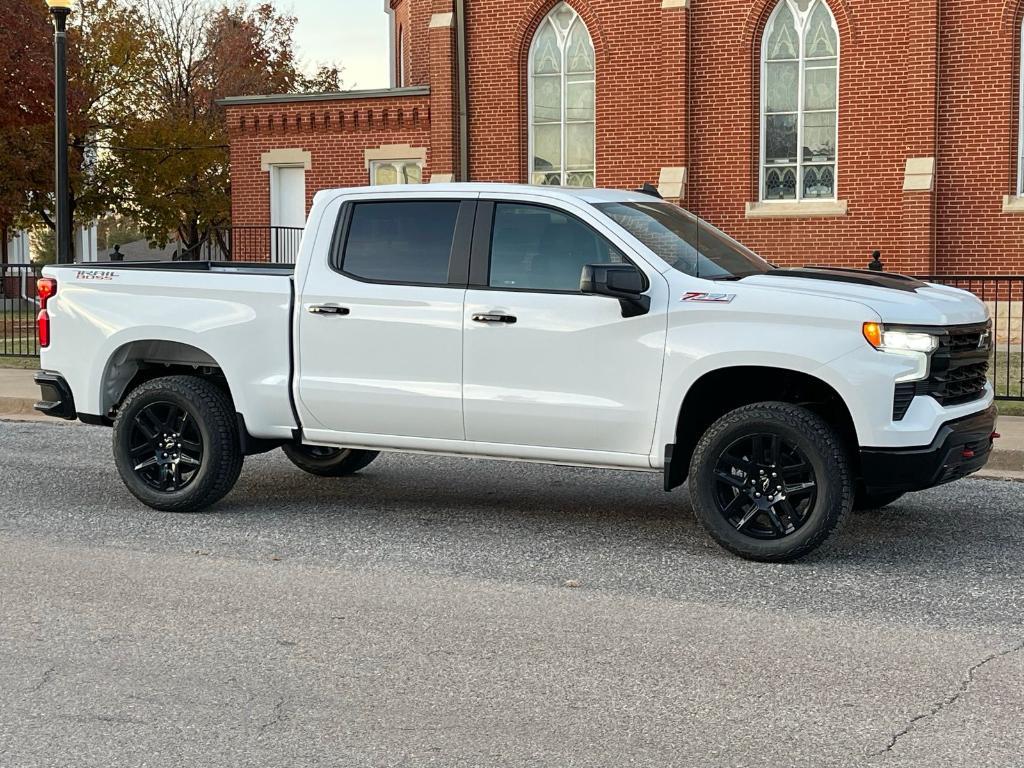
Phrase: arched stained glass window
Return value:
(799, 102)
(562, 111)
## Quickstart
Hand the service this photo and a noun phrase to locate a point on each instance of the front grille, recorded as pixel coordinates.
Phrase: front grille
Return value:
(959, 368)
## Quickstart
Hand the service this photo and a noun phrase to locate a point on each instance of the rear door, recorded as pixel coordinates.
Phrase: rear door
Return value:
(379, 347)
(544, 364)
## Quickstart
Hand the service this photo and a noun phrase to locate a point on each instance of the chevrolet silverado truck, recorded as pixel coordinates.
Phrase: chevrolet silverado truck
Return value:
(592, 328)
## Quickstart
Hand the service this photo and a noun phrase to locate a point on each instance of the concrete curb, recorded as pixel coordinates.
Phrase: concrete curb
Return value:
(16, 406)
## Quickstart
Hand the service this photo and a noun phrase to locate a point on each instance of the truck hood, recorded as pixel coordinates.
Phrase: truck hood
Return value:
(895, 298)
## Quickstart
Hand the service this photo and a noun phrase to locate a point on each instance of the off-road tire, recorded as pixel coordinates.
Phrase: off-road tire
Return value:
(211, 408)
(824, 451)
(338, 463)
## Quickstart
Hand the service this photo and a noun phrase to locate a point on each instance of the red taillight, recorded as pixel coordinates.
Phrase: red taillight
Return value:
(46, 289)
(43, 323)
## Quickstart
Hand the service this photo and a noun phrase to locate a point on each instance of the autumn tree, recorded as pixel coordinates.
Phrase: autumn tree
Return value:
(104, 59)
(173, 160)
(26, 86)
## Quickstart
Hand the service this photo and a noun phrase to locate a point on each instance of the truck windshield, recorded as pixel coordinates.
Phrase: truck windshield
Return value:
(685, 242)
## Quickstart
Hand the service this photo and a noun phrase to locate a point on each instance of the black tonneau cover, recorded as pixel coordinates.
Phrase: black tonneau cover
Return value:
(229, 267)
(857, 276)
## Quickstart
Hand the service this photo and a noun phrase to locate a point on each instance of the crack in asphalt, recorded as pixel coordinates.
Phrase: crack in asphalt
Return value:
(277, 717)
(938, 706)
(43, 680)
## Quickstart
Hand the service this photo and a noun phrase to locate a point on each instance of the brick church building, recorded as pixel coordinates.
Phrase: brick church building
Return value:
(814, 131)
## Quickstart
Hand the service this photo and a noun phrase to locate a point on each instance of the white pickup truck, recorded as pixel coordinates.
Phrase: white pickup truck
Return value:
(591, 328)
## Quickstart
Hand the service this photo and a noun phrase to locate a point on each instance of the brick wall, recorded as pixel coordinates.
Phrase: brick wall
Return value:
(335, 133)
(978, 138)
(680, 87)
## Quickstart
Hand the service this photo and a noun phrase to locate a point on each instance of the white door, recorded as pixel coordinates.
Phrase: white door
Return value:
(544, 364)
(287, 209)
(380, 324)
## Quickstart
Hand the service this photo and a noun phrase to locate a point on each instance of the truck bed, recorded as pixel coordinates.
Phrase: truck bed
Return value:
(234, 316)
(232, 267)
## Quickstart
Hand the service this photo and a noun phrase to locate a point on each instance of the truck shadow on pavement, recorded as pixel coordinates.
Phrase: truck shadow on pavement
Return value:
(961, 522)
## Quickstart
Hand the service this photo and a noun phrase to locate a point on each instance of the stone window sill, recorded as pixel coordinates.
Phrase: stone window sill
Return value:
(801, 210)
(1013, 204)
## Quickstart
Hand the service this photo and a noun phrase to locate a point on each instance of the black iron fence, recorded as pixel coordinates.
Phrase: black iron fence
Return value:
(1004, 296)
(18, 310)
(274, 244)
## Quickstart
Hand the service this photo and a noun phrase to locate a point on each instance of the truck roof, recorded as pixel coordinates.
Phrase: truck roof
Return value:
(564, 193)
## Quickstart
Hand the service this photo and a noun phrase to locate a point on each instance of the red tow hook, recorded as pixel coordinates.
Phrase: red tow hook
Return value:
(969, 452)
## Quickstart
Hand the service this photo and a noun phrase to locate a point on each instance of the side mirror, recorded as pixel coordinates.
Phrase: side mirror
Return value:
(619, 281)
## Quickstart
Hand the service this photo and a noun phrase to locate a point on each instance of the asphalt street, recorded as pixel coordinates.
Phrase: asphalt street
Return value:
(446, 612)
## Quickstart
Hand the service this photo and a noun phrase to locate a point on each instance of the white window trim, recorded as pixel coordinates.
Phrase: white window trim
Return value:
(565, 90)
(762, 109)
(374, 162)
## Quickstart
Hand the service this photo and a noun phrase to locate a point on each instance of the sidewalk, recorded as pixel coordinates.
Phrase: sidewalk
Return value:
(18, 393)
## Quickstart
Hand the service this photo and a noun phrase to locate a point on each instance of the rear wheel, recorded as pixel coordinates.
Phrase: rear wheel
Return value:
(176, 443)
(770, 481)
(328, 462)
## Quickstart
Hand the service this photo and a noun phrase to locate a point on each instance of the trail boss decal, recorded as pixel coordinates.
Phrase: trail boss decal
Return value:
(709, 298)
(88, 274)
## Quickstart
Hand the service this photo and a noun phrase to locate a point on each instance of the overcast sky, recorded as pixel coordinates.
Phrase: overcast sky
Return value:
(353, 33)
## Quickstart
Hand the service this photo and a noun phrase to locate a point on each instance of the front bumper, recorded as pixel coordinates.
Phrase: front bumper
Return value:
(55, 396)
(961, 447)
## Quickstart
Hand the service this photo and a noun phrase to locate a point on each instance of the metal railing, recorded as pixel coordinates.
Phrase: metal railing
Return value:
(248, 243)
(18, 309)
(1004, 296)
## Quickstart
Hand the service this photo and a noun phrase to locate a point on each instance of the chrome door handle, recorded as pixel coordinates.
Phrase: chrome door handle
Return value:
(327, 309)
(489, 318)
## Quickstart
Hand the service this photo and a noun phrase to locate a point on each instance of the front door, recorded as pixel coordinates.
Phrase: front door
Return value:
(544, 364)
(380, 322)
(287, 210)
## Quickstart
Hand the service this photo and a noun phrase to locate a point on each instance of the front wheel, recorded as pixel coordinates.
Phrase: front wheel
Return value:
(770, 481)
(176, 443)
(328, 462)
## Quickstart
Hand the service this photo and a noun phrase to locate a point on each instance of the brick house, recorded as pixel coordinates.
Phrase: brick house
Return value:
(814, 131)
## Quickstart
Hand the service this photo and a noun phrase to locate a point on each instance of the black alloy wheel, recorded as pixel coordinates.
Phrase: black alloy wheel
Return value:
(165, 447)
(771, 481)
(326, 461)
(764, 486)
(176, 443)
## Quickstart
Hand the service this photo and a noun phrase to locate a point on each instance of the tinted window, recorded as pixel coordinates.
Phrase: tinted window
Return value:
(401, 242)
(543, 249)
(685, 242)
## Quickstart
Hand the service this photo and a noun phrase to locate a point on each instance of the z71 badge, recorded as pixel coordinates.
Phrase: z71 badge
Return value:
(88, 274)
(709, 298)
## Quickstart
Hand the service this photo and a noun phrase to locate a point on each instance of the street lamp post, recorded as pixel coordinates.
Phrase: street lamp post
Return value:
(62, 202)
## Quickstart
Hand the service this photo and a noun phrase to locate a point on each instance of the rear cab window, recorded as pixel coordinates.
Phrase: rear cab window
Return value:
(399, 241)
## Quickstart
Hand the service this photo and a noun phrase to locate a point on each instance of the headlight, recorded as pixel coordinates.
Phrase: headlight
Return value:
(881, 338)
